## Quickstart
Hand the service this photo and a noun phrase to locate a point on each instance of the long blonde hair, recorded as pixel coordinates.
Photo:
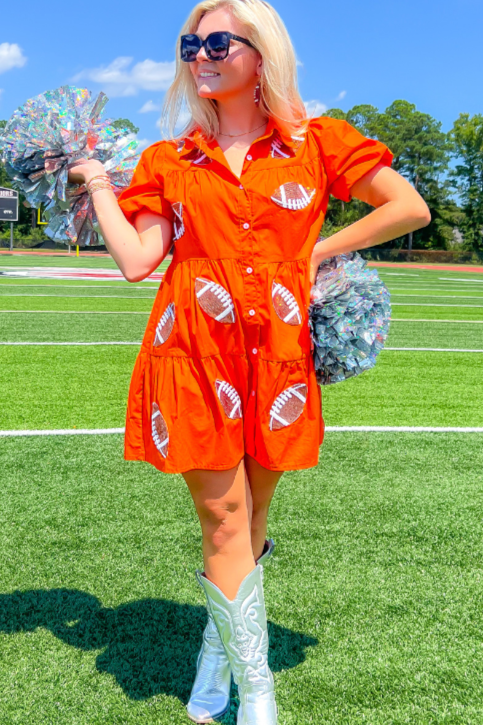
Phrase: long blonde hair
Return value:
(280, 97)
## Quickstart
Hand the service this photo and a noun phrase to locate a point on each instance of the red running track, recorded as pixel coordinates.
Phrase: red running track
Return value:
(397, 265)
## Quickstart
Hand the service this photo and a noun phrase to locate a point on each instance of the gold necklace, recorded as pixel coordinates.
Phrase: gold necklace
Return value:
(237, 135)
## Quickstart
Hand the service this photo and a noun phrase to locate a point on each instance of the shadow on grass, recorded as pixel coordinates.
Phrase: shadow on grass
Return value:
(149, 646)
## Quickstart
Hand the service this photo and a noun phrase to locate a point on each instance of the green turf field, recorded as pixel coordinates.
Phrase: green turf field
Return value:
(374, 594)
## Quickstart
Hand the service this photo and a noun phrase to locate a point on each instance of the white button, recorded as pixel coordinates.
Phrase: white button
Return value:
(241, 187)
(249, 270)
(249, 157)
(253, 392)
(252, 312)
(246, 226)
(254, 351)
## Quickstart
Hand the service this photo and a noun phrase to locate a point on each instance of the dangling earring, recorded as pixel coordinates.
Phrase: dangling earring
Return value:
(257, 94)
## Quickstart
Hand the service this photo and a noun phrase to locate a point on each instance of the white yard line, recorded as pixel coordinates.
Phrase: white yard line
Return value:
(457, 279)
(87, 297)
(416, 349)
(328, 428)
(456, 322)
(439, 297)
(72, 312)
(423, 304)
(432, 349)
(60, 432)
(398, 429)
(446, 288)
(70, 343)
(72, 286)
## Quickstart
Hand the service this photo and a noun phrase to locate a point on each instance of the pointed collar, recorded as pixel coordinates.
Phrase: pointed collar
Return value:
(197, 139)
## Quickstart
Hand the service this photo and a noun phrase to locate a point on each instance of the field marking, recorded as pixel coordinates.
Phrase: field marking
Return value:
(456, 322)
(74, 312)
(73, 286)
(328, 429)
(147, 312)
(423, 304)
(70, 343)
(427, 349)
(60, 432)
(398, 429)
(91, 297)
(90, 344)
(440, 297)
(406, 287)
(456, 279)
(400, 274)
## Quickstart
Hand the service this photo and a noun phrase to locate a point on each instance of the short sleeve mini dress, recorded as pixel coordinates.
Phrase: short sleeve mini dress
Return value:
(226, 366)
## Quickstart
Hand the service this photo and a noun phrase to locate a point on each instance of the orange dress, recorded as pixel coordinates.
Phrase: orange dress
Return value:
(225, 366)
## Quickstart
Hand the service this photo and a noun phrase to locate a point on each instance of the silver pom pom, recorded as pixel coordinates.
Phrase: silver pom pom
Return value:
(349, 316)
(47, 135)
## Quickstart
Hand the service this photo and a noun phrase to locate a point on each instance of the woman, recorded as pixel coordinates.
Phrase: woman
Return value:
(224, 387)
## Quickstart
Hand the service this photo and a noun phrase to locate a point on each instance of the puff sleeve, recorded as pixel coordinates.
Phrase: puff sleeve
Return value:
(146, 190)
(346, 154)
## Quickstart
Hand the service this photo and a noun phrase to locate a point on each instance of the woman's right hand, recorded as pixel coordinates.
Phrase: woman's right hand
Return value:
(84, 170)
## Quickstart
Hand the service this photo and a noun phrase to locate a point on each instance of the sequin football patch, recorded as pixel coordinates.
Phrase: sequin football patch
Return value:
(178, 223)
(285, 304)
(159, 431)
(279, 150)
(229, 399)
(293, 196)
(288, 406)
(215, 300)
(165, 325)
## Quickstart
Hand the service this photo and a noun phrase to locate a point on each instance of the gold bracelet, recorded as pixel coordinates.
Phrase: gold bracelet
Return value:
(98, 186)
(99, 176)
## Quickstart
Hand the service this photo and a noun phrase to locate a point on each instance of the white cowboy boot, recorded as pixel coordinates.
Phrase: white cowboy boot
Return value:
(242, 625)
(210, 696)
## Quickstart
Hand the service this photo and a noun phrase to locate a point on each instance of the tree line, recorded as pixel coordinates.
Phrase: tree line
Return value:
(445, 168)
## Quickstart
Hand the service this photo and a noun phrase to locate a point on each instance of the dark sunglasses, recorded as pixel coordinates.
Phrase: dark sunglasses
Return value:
(216, 45)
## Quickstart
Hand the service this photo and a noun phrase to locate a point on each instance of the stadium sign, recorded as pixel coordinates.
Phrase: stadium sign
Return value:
(8, 205)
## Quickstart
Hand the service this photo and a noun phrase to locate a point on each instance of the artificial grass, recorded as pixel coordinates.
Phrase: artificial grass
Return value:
(78, 304)
(373, 594)
(8, 261)
(72, 328)
(435, 334)
(86, 387)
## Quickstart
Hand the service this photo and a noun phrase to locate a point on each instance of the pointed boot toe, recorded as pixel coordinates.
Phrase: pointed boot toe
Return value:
(210, 696)
(242, 625)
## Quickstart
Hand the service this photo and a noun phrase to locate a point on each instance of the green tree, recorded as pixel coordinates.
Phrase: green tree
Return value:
(467, 178)
(125, 123)
(421, 150)
(421, 154)
(366, 119)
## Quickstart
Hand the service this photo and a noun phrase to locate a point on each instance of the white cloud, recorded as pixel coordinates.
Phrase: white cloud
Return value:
(299, 63)
(183, 119)
(315, 108)
(142, 144)
(341, 95)
(11, 56)
(149, 107)
(119, 78)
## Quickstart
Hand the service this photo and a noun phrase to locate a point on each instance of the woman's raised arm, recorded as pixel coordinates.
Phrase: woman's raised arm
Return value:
(138, 250)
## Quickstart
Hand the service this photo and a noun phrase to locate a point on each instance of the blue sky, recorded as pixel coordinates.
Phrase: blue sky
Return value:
(351, 52)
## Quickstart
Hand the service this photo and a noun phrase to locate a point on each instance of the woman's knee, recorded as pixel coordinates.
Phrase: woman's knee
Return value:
(221, 520)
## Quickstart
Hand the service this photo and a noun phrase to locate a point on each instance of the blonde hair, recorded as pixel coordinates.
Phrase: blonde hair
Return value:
(280, 97)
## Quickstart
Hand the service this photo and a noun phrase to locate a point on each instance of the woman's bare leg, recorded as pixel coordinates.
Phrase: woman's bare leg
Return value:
(262, 484)
(223, 503)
